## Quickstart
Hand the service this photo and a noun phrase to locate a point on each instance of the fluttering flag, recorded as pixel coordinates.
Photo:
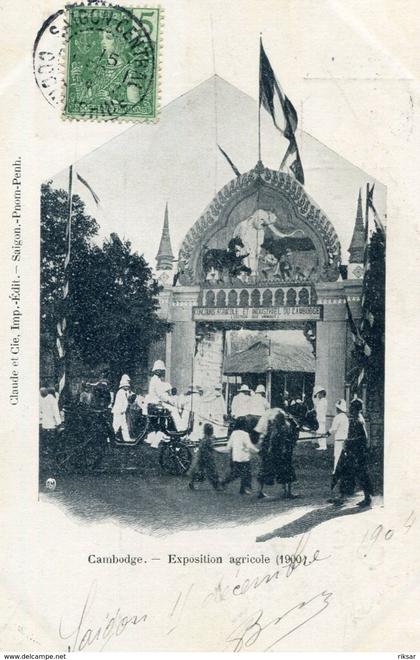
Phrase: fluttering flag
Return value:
(378, 222)
(92, 192)
(360, 343)
(233, 166)
(282, 112)
(293, 162)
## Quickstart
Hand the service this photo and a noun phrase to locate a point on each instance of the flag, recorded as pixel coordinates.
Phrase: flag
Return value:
(282, 112)
(368, 318)
(358, 340)
(274, 101)
(353, 328)
(359, 343)
(292, 161)
(378, 222)
(234, 168)
(92, 192)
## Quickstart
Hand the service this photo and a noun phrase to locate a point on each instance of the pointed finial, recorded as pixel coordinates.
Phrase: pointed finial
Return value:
(357, 244)
(165, 256)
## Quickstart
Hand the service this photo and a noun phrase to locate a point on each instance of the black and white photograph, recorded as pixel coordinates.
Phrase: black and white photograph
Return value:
(245, 345)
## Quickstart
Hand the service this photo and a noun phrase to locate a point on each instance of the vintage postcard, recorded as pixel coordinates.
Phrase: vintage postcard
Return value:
(210, 326)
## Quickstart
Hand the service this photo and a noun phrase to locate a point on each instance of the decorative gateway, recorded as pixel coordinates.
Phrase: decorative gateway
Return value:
(261, 229)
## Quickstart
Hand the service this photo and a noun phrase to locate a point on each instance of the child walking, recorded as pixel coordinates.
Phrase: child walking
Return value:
(241, 447)
(205, 465)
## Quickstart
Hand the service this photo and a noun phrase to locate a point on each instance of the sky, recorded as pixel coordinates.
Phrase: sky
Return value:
(344, 70)
(177, 161)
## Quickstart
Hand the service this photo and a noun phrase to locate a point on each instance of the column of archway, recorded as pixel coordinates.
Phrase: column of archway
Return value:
(182, 343)
(331, 343)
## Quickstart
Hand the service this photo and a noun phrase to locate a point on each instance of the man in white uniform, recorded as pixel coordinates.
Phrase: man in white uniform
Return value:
(320, 405)
(49, 414)
(258, 403)
(119, 409)
(159, 393)
(218, 412)
(213, 410)
(158, 388)
(340, 429)
(241, 403)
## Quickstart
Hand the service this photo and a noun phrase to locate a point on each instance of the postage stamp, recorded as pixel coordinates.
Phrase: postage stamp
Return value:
(112, 63)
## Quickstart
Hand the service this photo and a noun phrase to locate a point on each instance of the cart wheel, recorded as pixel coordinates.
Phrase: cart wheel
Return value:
(175, 458)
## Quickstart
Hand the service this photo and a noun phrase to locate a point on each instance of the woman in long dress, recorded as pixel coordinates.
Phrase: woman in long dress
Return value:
(276, 452)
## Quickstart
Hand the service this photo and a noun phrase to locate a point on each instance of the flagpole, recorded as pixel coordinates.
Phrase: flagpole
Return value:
(62, 343)
(70, 211)
(259, 104)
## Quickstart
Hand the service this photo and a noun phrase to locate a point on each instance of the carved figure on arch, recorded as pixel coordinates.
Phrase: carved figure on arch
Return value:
(219, 265)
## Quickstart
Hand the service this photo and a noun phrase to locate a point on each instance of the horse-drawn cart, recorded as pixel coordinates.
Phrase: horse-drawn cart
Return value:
(87, 437)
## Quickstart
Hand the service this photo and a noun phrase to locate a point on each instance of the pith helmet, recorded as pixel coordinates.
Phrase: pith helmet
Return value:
(159, 365)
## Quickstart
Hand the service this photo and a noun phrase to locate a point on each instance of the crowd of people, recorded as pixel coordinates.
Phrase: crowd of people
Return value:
(251, 427)
(273, 437)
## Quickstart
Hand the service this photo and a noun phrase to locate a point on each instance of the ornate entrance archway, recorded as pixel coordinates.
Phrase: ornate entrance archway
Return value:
(262, 253)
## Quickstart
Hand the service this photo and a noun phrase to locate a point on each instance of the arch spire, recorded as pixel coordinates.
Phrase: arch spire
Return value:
(357, 245)
(165, 256)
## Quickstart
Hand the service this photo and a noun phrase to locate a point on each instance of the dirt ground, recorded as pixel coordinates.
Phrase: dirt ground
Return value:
(131, 489)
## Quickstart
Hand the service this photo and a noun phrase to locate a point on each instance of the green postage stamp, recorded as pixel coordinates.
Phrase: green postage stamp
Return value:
(112, 63)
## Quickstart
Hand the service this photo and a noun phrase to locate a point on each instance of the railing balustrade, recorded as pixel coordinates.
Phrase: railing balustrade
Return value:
(263, 296)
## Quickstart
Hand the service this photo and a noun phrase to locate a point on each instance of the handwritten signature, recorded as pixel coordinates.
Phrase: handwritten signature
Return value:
(114, 624)
(255, 628)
